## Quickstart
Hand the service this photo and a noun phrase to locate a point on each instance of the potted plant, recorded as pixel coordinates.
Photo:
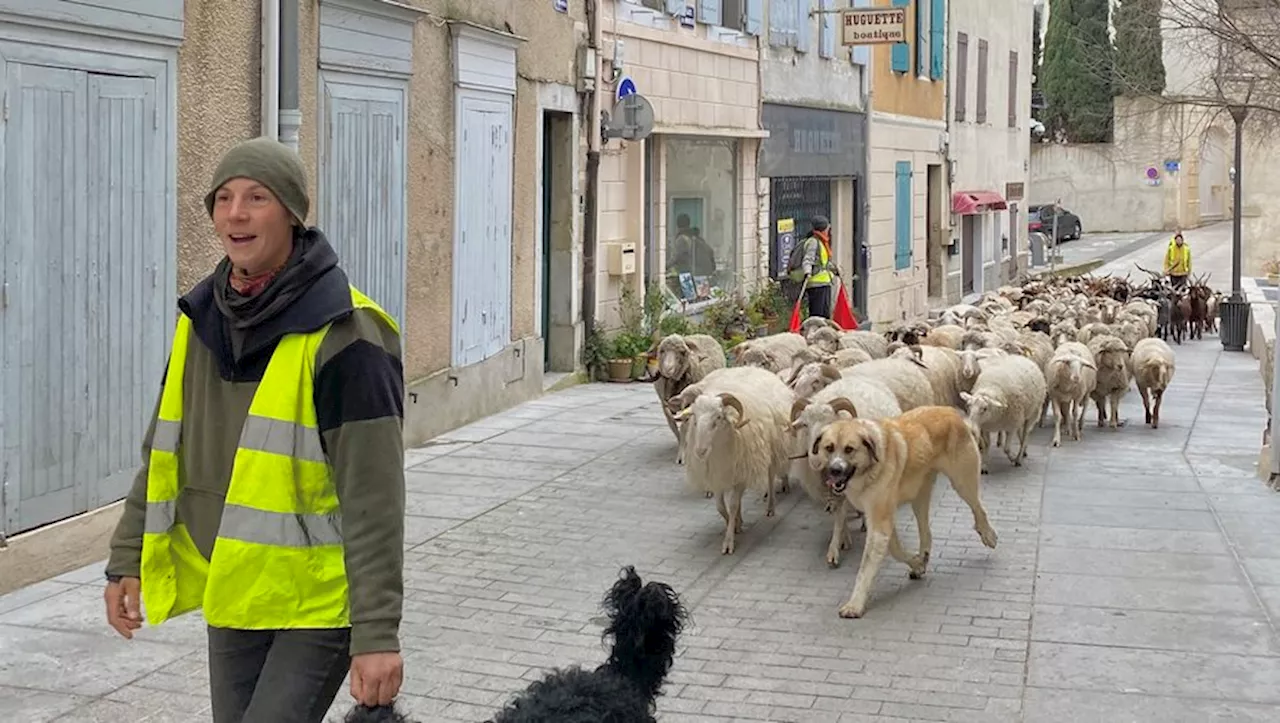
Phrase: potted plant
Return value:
(617, 365)
(627, 356)
(595, 355)
(634, 349)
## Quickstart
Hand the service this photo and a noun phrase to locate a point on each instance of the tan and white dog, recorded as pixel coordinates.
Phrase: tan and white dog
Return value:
(882, 464)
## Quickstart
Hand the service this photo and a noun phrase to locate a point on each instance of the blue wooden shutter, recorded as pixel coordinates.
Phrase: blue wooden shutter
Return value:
(902, 216)
(364, 149)
(827, 37)
(923, 21)
(900, 58)
(938, 40)
(782, 23)
(900, 55)
(804, 32)
(753, 17)
(675, 7)
(709, 12)
(860, 54)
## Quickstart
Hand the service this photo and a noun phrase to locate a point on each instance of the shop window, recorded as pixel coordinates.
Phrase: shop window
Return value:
(701, 243)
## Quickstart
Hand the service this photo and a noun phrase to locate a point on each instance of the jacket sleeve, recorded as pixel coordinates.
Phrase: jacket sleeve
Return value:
(359, 397)
(810, 255)
(125, 559)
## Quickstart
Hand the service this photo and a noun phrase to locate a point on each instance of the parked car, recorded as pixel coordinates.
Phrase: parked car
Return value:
(1040, 218)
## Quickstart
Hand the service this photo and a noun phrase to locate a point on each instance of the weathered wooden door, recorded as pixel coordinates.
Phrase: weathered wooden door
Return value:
(482, 243)
(87, 293)
(363, 197)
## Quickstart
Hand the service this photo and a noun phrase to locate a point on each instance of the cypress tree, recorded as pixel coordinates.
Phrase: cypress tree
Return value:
(1139, 58)
(1078, 70)
(1037, 23)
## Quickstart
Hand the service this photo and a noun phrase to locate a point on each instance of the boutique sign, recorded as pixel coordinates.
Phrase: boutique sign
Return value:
(874, 26)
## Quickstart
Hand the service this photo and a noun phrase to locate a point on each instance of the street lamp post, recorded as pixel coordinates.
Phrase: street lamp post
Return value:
(1235, 310)
(1238, 114)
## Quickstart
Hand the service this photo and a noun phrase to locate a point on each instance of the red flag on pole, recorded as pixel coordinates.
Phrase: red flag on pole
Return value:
(795, 313)
(842, 314)
(795, 316)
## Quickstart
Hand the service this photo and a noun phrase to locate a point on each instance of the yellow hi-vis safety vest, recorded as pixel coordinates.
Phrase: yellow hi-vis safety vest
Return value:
(1177, 260)
(822, 276)
(277, 562)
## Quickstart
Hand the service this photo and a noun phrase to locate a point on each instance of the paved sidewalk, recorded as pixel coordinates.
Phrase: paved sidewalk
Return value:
(1137, 579)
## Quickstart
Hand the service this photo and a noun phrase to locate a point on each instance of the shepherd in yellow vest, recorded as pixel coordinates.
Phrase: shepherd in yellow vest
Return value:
(1177, 260)
(271, 495)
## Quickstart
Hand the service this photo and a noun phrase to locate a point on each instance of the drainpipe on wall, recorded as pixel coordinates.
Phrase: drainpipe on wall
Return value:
(270, 93)
(944, 213)
(862, 264)
(290, 112)
(591, 227)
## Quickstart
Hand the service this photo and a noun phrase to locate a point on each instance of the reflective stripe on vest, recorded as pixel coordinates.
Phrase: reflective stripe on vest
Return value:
(278, 557)
(824, 259)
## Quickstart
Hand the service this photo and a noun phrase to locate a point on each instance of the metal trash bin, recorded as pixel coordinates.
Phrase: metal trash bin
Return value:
(1235, 324)
(1038, 243)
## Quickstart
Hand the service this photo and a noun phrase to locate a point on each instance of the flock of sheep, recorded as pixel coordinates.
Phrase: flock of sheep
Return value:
(751, 421)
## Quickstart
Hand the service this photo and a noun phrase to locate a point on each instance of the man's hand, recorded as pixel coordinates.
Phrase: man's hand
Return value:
(123, 605)
(376, 678)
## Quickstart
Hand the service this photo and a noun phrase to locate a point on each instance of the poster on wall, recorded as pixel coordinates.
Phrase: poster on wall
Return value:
(785, 240)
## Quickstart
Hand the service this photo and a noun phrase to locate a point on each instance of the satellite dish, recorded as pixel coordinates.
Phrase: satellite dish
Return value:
(632, 119)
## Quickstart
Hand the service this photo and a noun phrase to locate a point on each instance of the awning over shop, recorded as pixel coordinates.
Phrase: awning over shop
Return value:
(964, 203)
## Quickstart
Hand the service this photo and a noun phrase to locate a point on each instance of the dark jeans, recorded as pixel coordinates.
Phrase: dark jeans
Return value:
(818, 300)
(1178, 280)
(270, 676)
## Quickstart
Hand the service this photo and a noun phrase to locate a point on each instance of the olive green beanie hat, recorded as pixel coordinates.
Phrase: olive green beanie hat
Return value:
(270, 163)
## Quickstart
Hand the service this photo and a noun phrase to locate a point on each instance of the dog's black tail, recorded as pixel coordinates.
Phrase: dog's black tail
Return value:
(645, 621)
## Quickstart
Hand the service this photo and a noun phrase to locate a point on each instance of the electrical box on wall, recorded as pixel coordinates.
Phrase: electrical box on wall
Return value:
(587, 62)
(620, 258)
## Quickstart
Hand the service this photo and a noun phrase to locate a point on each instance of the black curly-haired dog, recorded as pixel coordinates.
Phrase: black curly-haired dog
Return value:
(644, 621)
(376, 714)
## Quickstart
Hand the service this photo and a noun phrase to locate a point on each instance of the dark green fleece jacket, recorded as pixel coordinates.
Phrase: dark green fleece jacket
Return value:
(359, 398)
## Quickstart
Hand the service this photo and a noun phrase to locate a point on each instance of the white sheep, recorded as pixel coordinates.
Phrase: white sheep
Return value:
(813, 323)
(1153, 365)
(864, 398)
(869, 341)
(842, 358)
(825, 339)
(813, 377)
(905, 377)
(941, 368)
(737, 439)
(1007, 397)
(1111, 356)
(773, 352)
(1070, 379)
(945, 335)
(963, 315)
(972, 362)
(683, 360)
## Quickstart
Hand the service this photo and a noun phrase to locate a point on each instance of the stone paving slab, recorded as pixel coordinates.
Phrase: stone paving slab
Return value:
(1137, 578)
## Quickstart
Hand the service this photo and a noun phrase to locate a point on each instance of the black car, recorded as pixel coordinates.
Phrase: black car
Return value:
(1040, 218)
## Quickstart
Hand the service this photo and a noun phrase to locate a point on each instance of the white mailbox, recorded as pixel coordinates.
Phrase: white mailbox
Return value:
(621, 258)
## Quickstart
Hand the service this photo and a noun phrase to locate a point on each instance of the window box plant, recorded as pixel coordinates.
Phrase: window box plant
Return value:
(1271, 267)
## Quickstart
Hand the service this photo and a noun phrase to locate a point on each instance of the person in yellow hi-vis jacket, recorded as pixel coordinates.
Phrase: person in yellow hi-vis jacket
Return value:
(1177, 260)
(272, 493)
